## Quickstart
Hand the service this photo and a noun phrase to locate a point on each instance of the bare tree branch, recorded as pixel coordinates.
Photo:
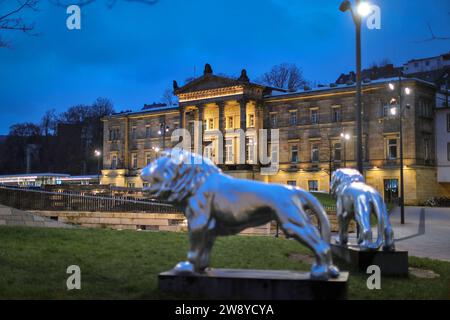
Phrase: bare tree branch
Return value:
(433, 36)
(12, 21)
(285, 76)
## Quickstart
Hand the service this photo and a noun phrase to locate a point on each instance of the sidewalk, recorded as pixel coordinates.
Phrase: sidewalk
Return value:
(426, 232)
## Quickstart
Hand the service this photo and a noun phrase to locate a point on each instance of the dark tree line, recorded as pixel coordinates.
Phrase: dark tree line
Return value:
(59, 143)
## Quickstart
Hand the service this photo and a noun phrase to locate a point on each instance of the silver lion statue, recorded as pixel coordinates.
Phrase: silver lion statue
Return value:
(216, 204)
(355, 199)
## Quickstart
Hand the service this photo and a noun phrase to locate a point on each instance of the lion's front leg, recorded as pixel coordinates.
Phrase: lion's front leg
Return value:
(201, 235)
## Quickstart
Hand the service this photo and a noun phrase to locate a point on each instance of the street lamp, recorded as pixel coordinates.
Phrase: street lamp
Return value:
(362, 10)
(98, 154)
(400, 110)
(163, 129)
(345, 137)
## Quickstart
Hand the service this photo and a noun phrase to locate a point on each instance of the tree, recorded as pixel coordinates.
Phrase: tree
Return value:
(286, 76)
(49, 121)
(12, 20)
(168, 97)
(25, 130)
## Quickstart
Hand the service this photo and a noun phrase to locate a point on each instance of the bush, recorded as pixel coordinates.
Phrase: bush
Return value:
(438, 202)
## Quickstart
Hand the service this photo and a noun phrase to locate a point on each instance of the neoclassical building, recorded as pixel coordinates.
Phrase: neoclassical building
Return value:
(316, 134)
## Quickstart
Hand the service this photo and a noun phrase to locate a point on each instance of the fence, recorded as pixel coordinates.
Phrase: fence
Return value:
(39, 200)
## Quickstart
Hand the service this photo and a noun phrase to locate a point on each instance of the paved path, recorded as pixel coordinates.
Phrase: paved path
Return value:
(15, 217)
(426, 232)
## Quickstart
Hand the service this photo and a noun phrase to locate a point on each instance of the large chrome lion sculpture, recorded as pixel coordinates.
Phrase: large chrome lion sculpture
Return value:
(355, 199)
(216, 204)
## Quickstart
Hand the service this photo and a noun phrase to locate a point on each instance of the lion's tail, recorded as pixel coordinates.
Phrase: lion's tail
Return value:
(316, 207)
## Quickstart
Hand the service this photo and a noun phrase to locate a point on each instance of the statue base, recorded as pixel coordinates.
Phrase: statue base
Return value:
(391, 263)
(253, 285)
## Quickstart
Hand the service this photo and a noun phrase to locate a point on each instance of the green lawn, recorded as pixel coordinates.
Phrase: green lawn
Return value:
(125, 264)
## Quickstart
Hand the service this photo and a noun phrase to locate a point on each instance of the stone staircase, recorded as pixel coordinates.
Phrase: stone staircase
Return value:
(15, 217)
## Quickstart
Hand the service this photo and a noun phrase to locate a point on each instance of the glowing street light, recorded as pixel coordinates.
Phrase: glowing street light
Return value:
(360, 10)
(364, 9)
(97, 154)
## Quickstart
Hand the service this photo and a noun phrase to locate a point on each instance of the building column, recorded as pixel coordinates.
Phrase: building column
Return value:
(243, 127)
(221, 136)
(198, 130)
(182, 117)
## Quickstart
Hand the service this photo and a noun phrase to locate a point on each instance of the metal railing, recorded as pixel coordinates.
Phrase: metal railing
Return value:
(39, 200)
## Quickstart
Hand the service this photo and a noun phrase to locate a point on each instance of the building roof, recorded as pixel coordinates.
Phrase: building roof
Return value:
(347, 86)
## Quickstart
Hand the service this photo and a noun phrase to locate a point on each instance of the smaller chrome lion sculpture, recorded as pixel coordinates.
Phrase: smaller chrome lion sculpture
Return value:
(216, 204)
(355, 199)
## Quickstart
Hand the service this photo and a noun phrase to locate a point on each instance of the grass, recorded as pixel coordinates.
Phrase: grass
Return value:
(125, 264)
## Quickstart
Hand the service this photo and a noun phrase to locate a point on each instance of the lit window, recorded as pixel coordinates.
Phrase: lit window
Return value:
(209, 152)
(251, 120)
(230, 123)
(211, 124)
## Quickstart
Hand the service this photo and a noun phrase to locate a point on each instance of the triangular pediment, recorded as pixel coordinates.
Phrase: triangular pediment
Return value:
(209, 82)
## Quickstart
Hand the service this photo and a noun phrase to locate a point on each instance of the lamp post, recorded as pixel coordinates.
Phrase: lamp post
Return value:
(163, 129)
(345, 137)
(393, 111)
(362, 9)
(98, 154)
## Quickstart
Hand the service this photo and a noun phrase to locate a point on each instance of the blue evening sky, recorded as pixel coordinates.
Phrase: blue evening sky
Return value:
(132, 52)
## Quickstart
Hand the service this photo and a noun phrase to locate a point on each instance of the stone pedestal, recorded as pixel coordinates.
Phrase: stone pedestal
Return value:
(253, 285)
(391, 263)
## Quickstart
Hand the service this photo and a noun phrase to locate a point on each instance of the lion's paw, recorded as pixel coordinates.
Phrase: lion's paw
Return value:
(333, 271)
(184, 267)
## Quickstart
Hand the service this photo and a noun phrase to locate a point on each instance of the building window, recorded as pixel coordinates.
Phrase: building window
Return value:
(134, 159)
(148, 158)
(314, 115)
(145, 185)
(337, 152)
(293, 118)
(315, 152)
(209, 152)
(448, 122)
(133, 133)
(273, 120)
(229, 157)
(392, 149)
(114, 162)
(426, 144)
(448, 151)
(336, 114)
(292, 183)
(131, 185)
(274, 153)
(313, 185)
(148, 131)
(251, 120)
(114, 134)
(211, 124)
(250, 150)
(294, 154)
(230, 123)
